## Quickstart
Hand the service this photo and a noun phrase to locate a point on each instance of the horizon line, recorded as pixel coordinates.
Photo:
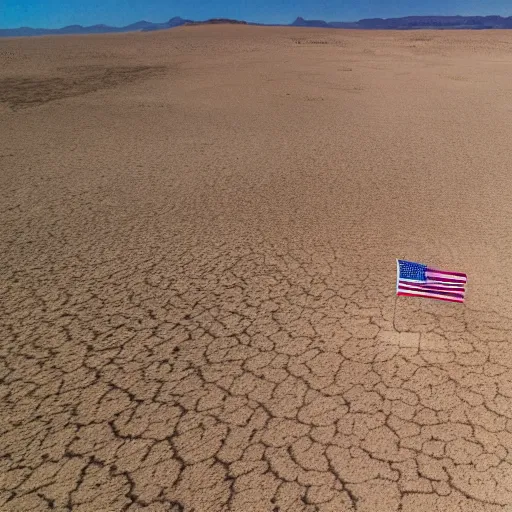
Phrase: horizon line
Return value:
(257, 22)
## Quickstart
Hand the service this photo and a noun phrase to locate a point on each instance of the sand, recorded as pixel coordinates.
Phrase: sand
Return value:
(197, 294)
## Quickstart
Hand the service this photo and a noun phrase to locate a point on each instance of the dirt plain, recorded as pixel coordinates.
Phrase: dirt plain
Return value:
(197, 248)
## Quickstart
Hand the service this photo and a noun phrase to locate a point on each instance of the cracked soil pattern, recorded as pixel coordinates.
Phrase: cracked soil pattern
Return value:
(197, 248)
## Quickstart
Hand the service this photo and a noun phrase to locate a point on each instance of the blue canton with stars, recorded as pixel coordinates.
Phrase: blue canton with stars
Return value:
(411, 270)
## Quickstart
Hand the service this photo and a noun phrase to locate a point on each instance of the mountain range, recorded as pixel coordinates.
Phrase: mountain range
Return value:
(415, 22)
(406, 23)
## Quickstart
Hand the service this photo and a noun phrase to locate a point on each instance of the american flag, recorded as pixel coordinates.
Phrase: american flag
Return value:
(417, 280)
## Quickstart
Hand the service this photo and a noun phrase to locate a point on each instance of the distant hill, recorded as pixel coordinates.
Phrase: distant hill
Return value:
(172, 23)
(142, 26)
(406, 23)
(218, 21)
(301, 22)
(415, 22)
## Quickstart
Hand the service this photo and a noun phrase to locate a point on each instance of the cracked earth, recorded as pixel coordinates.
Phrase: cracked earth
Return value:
(197, 248)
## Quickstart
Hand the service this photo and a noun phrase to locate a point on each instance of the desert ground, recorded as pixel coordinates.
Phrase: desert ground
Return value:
(197, 292)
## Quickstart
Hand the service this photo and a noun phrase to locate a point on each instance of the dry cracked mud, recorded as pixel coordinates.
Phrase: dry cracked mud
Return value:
(197, 307)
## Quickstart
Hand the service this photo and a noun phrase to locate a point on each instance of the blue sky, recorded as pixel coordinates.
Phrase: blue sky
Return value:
(58, 13)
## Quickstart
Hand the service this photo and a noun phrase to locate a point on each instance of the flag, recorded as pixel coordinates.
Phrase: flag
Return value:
(417, 280)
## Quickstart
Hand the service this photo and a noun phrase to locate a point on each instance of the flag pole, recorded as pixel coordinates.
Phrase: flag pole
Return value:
(396, 295)
(397, 275)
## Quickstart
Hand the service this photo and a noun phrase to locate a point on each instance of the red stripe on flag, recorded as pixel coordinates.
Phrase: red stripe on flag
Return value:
(445, 286)
(433, 292)
(460, 274)
(447, 299)
(449, 291)
(444, 280)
